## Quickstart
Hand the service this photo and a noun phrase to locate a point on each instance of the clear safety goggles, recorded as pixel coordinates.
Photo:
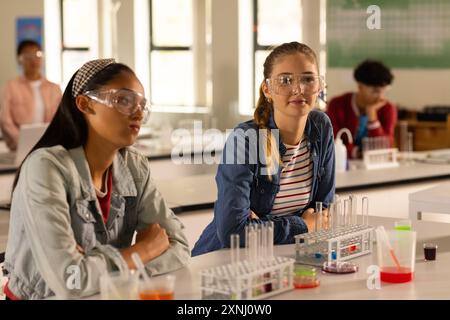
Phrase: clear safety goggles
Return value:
(31, 55)
(287, 85)
(126, 101)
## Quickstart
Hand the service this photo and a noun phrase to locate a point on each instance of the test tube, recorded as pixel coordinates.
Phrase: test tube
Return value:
(365, 143)
(410, 147)
(331, 216)
(338, 221)
(386, 146)
(247, 253)
(258, 244)
(346, 212)
(350, 210)
(354, 209)
(264, 240)
(318, 216)
(267, 234)
(325, 218)
(234, 244)
(252, 246)
(365, 210)
(269, 239)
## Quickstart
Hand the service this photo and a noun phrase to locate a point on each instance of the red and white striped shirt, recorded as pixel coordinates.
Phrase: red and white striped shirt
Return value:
(295, 181)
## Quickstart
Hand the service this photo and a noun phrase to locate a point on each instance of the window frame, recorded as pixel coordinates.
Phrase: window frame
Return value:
(256, 47)
(173, 108)
(65, 48)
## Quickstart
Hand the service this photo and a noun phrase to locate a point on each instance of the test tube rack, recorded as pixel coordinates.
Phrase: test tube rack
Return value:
(380, 158)
(339, 244)
(246, 281)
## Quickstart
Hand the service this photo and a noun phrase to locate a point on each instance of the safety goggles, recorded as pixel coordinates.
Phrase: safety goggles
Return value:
(31, 55)
(289, 84)
(126, 101)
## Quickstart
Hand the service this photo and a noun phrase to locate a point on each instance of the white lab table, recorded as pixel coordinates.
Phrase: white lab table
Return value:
(434, 200)
(416, 171)
(431, 278)
(201, 189)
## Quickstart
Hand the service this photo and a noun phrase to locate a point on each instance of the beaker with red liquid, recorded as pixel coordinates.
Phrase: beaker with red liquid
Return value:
(397, 257)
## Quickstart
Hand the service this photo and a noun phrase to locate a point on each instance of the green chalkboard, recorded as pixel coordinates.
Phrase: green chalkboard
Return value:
(413, 33)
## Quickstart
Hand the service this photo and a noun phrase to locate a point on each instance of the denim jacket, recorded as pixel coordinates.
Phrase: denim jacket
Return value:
(243, 187)
(55, 208)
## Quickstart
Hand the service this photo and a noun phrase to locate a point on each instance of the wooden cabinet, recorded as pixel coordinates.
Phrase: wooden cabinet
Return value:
(428, 135)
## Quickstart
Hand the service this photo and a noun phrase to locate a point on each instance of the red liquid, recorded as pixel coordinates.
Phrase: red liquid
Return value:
(154, 295)
(306, 285)
(396, 275)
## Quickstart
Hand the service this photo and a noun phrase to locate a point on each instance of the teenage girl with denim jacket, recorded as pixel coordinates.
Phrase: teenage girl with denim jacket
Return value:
(278, 165)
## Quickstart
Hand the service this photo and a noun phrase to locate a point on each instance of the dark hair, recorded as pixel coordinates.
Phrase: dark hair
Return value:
(373, 73)
(68, 127)
(27, 43)
(263, 107)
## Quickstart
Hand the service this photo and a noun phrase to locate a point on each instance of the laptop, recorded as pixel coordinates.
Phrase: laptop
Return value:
(29, 135)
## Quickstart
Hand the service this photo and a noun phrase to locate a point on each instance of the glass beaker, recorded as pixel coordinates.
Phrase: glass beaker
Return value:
(157, 288)
(119, 286)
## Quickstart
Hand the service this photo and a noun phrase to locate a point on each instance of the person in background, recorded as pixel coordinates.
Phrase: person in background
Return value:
(83, 192)
(285, 161)
(29, 98)
(366, 112)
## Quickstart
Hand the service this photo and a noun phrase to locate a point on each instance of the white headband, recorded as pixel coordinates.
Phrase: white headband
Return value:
(86, 72)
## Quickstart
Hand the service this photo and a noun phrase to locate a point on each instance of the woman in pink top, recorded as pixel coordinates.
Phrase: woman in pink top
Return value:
(28, 99)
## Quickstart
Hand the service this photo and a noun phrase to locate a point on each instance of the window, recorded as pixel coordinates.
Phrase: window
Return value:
(79, 35)
(274, 22)
(172, 78)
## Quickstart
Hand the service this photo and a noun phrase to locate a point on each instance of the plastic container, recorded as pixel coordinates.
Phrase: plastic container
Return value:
(305, 277)
(396, 250)
(340, 150)
(157, 288)
(119, 286)
(404, 225)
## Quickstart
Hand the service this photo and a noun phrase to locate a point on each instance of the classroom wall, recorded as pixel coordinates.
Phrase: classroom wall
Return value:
(407, 89)
(10, 10)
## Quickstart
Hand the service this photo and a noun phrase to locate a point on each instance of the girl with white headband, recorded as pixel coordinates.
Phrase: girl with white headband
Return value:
(82, 192)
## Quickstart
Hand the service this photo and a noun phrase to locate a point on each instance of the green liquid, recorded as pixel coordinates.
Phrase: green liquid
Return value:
(403, 228)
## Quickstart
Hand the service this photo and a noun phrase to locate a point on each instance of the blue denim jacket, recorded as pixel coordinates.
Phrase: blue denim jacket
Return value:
(244, 187)
(55, 208)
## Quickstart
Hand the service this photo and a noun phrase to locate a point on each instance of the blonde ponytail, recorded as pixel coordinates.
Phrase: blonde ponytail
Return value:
(261, 117)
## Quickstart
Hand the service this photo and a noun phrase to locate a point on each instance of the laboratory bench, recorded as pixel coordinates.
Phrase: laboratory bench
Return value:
(200, 191)
(431, 278)
(210, 147)
(187, 187)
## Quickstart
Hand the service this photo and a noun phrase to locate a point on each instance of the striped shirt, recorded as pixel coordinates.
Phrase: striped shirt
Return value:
(295, 180)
